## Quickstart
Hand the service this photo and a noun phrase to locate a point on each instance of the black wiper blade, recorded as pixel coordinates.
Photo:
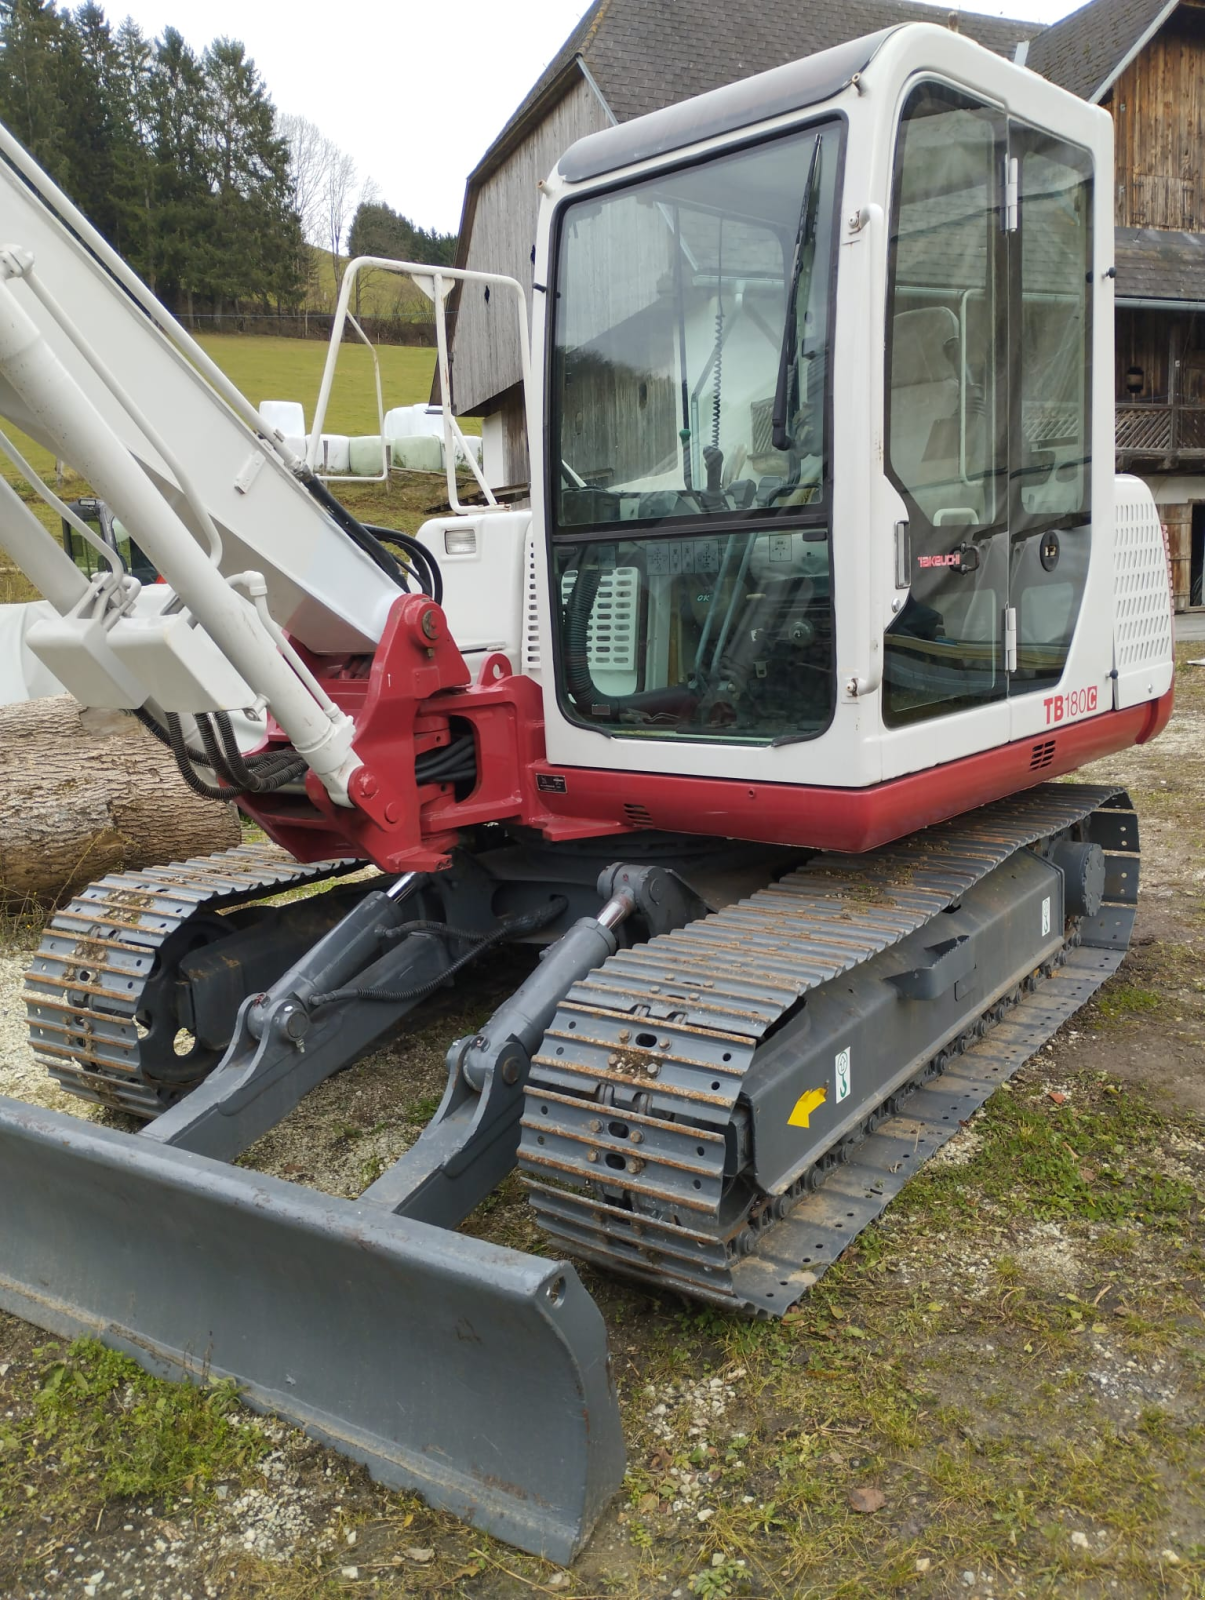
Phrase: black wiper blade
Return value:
(805, 235)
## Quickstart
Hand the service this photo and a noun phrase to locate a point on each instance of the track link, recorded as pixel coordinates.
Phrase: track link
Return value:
(632, 1111)
(99, 994)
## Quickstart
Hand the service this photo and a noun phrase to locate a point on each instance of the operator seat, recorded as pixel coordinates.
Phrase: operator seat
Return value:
(924, 405)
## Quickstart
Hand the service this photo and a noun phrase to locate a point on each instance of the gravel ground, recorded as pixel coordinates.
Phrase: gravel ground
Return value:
(20, 1075)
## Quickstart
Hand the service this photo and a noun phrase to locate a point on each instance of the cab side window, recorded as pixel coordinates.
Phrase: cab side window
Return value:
(947, 434)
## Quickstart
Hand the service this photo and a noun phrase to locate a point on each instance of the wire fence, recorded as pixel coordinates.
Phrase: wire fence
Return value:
(402, 327)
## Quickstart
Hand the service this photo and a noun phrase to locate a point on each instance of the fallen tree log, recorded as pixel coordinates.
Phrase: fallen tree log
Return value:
(85, 792)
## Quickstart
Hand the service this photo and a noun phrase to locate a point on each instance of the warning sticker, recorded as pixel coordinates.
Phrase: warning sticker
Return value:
(843, 1075)
(1046, 916)
(811, 1100)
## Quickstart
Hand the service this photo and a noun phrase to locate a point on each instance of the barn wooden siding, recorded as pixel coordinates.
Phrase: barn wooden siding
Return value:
(1167, 348)
(1177, 524)
(1158, 106)
(502, 224)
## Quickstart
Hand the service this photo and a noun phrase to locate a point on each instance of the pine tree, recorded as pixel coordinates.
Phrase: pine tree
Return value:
(179, 180)
(31, 50)
(256, 241)
(177, 161)
(92, 129)
(134, 151)
(378, 230)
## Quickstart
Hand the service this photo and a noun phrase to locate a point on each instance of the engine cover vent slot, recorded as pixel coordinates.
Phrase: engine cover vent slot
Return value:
(531, 616)
(638, 816)
(1042, 755)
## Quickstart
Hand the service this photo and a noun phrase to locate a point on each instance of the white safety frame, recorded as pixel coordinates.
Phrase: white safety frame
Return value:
(436, 283)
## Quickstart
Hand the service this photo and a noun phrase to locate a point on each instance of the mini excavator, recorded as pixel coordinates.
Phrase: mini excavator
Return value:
(747, 726)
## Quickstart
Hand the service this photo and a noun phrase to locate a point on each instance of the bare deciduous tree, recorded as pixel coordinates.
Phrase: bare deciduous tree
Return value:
(324, 186)
(309, 155)
(339, 186)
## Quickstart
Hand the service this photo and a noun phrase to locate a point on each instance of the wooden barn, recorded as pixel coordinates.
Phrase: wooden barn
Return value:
(1142, 60)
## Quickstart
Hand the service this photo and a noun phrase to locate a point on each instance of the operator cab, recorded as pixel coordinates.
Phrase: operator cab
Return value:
(818, 487)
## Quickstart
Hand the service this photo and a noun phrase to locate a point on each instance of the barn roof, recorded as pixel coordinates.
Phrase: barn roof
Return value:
(642, 55)
(1158, 264)
(1088, 50)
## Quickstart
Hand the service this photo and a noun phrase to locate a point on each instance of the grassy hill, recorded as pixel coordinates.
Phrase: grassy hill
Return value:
(265, 368)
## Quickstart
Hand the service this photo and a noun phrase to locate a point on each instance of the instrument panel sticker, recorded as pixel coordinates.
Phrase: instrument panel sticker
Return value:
(669, 558)
(843, 1075)
(810, 1100)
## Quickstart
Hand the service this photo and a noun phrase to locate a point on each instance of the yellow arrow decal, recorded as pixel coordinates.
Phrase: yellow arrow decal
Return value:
(805, 1105)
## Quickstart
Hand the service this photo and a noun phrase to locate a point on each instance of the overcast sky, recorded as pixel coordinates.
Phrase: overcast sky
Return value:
(413, 90)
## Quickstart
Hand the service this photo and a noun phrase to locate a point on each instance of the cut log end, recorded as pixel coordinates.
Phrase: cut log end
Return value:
(84, 792)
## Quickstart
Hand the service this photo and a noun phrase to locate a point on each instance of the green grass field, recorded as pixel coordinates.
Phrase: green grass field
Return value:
(265, 368)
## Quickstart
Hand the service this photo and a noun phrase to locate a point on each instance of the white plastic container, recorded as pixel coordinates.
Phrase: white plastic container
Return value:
(399, 423)
(408, 422)
(289, 417)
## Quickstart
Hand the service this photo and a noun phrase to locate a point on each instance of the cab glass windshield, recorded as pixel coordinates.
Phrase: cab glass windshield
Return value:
(691, 337)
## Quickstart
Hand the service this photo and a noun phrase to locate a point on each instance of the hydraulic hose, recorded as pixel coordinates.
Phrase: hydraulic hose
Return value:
(577, 635)
(355, 530)
(429, 576)
(237, 775)
(453, 763)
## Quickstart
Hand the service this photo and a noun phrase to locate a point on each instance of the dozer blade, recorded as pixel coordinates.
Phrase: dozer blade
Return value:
(470, 1373)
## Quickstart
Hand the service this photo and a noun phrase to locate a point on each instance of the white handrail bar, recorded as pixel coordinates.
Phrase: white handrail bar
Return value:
(422, 274)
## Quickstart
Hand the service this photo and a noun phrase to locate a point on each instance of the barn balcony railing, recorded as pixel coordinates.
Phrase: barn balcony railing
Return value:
(1160, 428)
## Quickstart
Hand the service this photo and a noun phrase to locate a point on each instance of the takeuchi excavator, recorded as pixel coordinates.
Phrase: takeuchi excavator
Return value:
(748, 723)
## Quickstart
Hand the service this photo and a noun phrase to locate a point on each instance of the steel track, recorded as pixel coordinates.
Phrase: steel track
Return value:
(662, 1035)
(99, 995)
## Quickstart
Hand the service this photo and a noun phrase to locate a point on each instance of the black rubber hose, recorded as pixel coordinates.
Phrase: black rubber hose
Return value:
(416, 552)
(527, 923)
(354, 529)
(457, 754)
(194, 781)
(579, 608)
(150, 724)
(276, 769)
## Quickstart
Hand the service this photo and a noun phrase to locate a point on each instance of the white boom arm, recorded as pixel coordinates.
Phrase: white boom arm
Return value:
(97, 371)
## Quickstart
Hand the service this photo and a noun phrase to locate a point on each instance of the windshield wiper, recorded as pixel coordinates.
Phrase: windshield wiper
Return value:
(788, 362)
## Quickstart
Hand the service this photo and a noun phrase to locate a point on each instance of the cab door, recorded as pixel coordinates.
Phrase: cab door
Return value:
(988, 425)
(1049, 222)
(947, 423)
